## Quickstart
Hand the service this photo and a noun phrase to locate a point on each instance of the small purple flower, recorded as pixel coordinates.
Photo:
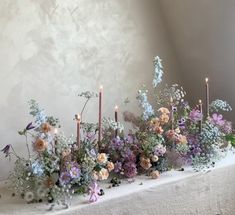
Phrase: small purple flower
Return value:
(30, 126)
(195, 115)
(75, 172)
(181, 123)
(65, 178)
(118, 167)
(130, 169)
(6, 150)
(117, 144)
(174, 108)
(159, 150)
(94, 192)
(130, 139)
(227, 127)
(128, 155)
(217, 119)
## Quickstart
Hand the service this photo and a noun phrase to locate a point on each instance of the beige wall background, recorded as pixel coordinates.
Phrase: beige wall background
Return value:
(51, 50)
(202, 34)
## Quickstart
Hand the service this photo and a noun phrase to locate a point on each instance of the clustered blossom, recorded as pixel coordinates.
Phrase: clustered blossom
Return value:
(220, 105)
(146, 106)
(88, 94)
(158, 71)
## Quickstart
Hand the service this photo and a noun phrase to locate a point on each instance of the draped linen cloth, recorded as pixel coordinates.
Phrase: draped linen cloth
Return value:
(175, 193)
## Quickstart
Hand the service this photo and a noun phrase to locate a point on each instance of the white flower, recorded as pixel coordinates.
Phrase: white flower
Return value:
(29, 196)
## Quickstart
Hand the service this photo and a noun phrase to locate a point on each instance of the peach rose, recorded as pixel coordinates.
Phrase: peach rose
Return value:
(145, 163)
(102, 158)
(170, 134)
(40, 145)
(164, 111)
(110, 166)
(103, 174)
(155, 122)
(155, 174)
(46, 127)
(95, 175)
(164, 118)
(158, 130)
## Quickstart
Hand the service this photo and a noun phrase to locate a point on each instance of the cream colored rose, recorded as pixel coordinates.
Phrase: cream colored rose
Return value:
(154, 158)
(182, 139)
(145, 163)
(110, 166)
(155, 174)
(102, 158)
(65, 153)
(103, 174)
(95, 175)
(164, 110)
(164, 118)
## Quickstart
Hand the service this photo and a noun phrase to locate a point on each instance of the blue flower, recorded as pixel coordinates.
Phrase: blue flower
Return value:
(37, 168)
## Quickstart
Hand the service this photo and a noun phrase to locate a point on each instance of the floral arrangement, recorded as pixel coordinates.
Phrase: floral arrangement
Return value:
(169, 135)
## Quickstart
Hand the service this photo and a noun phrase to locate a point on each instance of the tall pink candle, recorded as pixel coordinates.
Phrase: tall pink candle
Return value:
(207, 97)
(100, 115)
(116, 119)
(200, 109)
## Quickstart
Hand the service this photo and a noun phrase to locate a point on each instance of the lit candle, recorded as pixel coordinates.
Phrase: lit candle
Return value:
(78, 119)
(207, 97)
(116, 119)
(200, 109)
(172, 113)
(100, 115)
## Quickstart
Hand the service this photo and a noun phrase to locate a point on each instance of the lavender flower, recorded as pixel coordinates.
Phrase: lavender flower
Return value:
(75, 172)
(217, 119)
(65, 178)
(128, 155)
(6, 150)
(118, 167)
(159, 150)
(130, 169)
(195, 115)
(117, 143)
(181, 123)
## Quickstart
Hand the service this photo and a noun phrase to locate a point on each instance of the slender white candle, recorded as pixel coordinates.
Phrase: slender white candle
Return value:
(100, 115)
(116, 119)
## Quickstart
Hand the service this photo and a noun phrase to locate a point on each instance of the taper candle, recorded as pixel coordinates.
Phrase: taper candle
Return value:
(116, 119)
(100, 115)
(200, 109)
(172, 113)
(207, 97)
(78, 119)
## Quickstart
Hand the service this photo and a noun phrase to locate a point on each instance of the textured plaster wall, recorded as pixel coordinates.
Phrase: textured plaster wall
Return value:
(51, 50)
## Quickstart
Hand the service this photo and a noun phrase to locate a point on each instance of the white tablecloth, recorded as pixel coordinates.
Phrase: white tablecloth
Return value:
(183, 193)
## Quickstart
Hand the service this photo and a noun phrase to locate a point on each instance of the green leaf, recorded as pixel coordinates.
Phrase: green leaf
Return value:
(230, 138)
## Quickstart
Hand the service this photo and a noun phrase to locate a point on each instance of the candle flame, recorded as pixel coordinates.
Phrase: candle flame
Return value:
(200, 101)
(101, 87)
(116, 107)
(207, 80)
(56, 131)
(78, 117)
